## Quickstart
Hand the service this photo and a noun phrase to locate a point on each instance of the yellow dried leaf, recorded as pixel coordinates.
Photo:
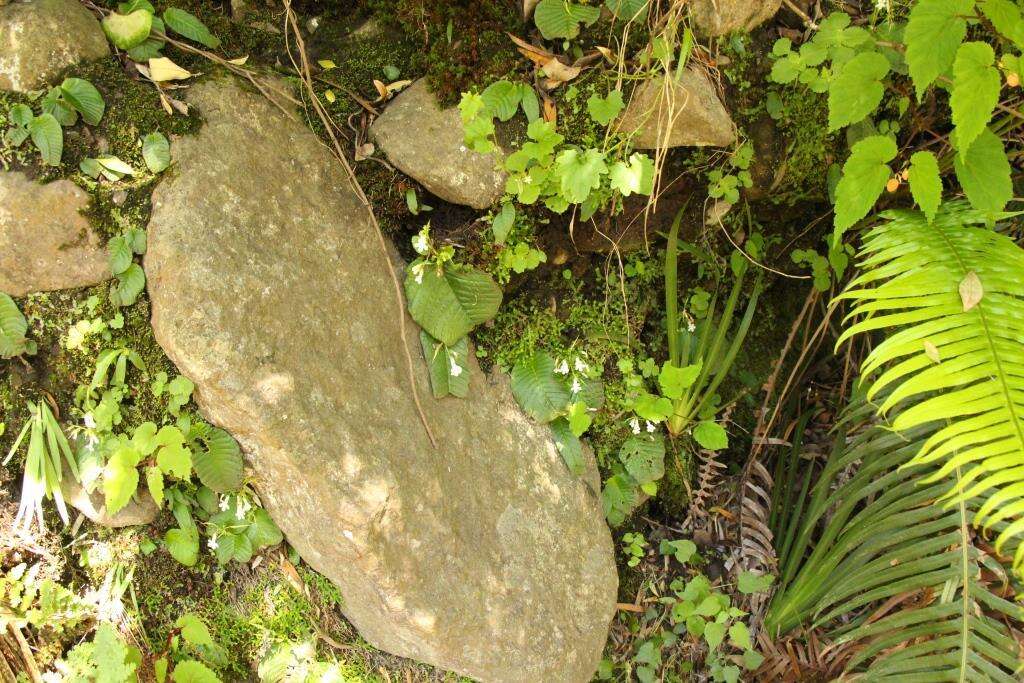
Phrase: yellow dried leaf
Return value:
(971, 290)
(932, 351)
(558, 73)
(329, 96)
(326, 64)
(239, 61)
(163, 69)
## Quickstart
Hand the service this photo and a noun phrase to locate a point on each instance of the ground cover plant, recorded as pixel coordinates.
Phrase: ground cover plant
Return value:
(783, 356)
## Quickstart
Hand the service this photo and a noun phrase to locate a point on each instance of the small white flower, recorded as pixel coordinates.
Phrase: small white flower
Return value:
(421, 241)
(455, 369)
(576, 386)
(650, 426)
(211, 543)
(224, 503)
(634, 424)
(580, 365)
(242, 506)
(562, 368)
(90, 421)
(690, 326)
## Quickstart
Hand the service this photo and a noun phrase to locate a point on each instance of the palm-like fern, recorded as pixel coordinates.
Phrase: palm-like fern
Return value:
(883, 538)
(954, 293)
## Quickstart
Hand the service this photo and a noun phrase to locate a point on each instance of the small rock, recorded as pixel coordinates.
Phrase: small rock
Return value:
(41, 38)
(719, 17)
(45, 242)
(140, 510)
(697, 118)
(485, 555)
(119, 197)
(426, 143)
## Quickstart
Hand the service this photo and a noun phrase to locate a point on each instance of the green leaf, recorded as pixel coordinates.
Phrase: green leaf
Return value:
(714, 634)
(151, 46)
(637, 176)
(580, 173)
(120, 478)
(188, 25)
(673, 380)
(752, 660)
(175, 459)
(130, 284)
(191, 671)
(618, 498)
(193, 630)
(48, 138)
(529, 102)
(119, 254)
(568, 445)
(579, 418)
(644, 457)
(711, 435)
(1006, 17)
(925, 183)
(739, 635)
(155, 484)
(448, 366)
(85, 98)
(220, 465)
(111, 656)
(128, 30)
(628, 10)
(503, 223)
(857, 89)
(262, 531)
(934, 31)
(865, 174)
(451, 303)
(501, 99)
(183, 545)
(604, 109)
(683, 550)
(653, 408)
(539, 391)
(749, 582)
(156, 152)
(561, 18)
(13, 327)
(984, 173)
(976, 85)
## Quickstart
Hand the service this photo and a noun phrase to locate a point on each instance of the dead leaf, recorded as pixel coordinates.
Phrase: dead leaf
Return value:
(179, 106)
(971, 291)
(163, 69)
(326, 64)
(329, 96)
(608, 55)
(528, 6)
(932, 351)
(291, 575)
(239, 61)
(537, 55)
(382, 89)
(388, 91)
(550, 112)
(558, 73)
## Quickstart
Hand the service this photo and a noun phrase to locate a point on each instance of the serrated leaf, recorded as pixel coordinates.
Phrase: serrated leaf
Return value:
(156, 152)
(85, 98)
(673, 381)
(561, 19)
(628, 10)
(933, 33)
(710, 435)
(191, 671)
(865, 174)
(857, 89)
(219, 466)
(175, 459)
(189, 26)
(644, 457)
(580, 173)
(13, 327)
(128, 30)
(568, 445)
(48, 138)
(604, 109)
(1006, 17)
(749, 582)
(450, 304)
(111, 656)
(976, 85)
(193, 630)
(636, 176)
(130, 284)
(714, 634)
(739, 635)
(262, 531)
(539, 391)
(120, 479)
(448, 366)
(501, 99)
(925, 183)
(984, 173)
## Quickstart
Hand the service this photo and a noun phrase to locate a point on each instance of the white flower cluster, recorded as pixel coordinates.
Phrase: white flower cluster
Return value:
(634, 424)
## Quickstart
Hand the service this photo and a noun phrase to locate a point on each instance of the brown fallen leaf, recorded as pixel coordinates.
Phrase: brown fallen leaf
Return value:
(364, 151)
(550, 112)
(388, 91)
(557, 73)
(163, 69)
(537, 55)
(528, 6)
(291, 575)
(608, 55)
(971, 290)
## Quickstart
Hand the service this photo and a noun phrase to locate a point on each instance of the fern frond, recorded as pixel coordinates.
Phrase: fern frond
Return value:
(883, 538)
(950, 360)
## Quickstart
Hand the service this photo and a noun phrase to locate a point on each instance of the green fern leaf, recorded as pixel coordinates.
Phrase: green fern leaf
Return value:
(973, 397)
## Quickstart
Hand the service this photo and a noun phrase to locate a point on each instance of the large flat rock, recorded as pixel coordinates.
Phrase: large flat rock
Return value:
(41, 38)
(426, 143)
(269, 291)
(686, 113)
(45, 242)
(720, 17)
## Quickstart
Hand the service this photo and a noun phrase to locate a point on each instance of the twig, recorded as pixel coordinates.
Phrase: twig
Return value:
(307, 81)
(26, 654)
(792, 7)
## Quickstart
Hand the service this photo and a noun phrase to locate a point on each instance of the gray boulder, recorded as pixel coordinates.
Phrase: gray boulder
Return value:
(40, 38)
(141, 510)
(45, 242)
(687, 115)
(719, 17)
(269, 291)
(426, 143)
